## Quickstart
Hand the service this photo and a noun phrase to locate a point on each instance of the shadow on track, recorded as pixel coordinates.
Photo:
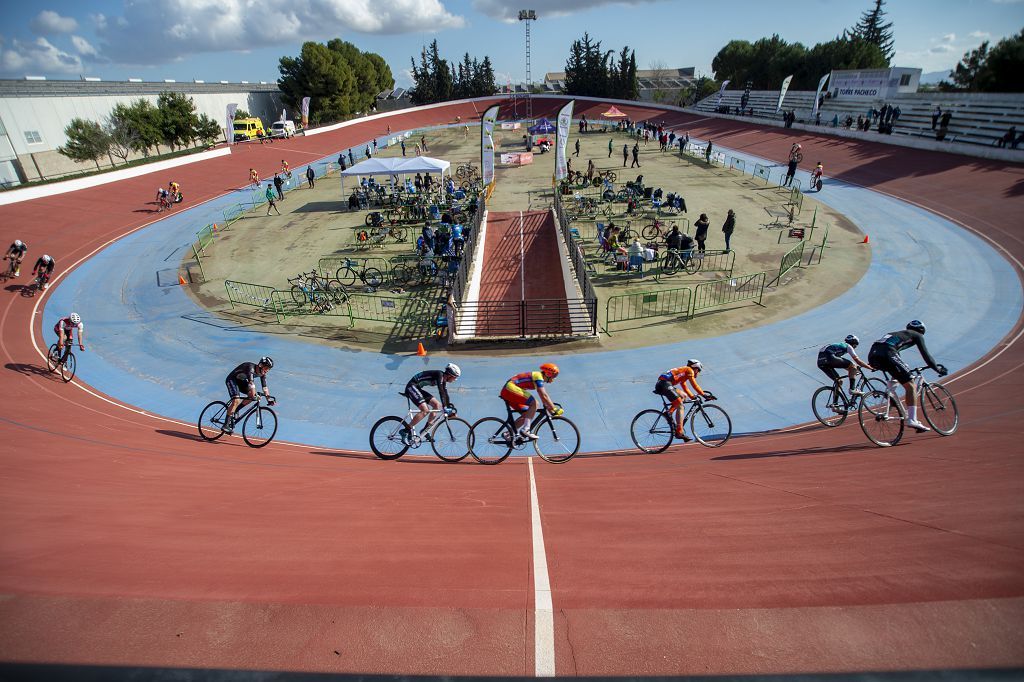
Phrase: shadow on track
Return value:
(799, 452)
(29, 370)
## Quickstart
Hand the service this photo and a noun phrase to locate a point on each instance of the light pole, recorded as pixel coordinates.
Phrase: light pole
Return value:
(528, 15)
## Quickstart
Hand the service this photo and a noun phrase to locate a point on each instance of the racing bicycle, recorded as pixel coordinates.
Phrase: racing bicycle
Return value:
(883, 416)
(654, 430)
(831, 404)
(493, 439)
(348, 273)
(391, 437)
(688, 260)
(259, 422)
(66, 363)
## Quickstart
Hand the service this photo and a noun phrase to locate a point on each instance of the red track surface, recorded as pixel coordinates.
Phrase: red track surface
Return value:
(123, 540)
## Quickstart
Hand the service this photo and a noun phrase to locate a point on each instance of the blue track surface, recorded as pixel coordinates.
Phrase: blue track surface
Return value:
(150, 346)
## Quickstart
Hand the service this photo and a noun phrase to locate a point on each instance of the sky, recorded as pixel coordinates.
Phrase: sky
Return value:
(237, 40)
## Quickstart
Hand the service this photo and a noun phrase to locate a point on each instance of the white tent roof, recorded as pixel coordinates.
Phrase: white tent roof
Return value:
(398, 165)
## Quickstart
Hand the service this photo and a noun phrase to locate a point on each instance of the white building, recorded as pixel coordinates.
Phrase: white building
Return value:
(35, 112)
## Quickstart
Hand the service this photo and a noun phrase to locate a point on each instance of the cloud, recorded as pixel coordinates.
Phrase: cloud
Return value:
(505, 11)
(941, 49)
(949, 38)
(49, 22)
(37, 58)
(1007, 2)
(159, 31)
(980, 35)
(83, 46)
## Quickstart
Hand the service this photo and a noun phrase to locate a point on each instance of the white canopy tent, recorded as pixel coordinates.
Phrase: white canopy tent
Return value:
(399, 165)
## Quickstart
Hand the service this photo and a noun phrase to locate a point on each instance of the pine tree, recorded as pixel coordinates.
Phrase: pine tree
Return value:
(871, 28)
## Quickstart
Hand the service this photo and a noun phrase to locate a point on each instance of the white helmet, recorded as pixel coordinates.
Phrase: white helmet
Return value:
(695, 365)
(453, 369)
(17, 242)
(75, 318)
(46, 258)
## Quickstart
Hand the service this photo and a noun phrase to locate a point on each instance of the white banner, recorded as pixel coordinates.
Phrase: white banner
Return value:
(232, 108)
(487, 143)
(284, 114)
(564, 122)
(721, 92)
(782, 95)
(817, 95)
(305, 112)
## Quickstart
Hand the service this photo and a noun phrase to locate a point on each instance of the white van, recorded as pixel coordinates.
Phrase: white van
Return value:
(282, 128)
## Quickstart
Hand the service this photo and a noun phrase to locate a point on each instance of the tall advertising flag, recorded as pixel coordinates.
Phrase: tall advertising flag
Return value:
(564, 123)
(305, 112)
(782, 95)
(230, 133)
(487, 143)
(817, 95)
(720, 93)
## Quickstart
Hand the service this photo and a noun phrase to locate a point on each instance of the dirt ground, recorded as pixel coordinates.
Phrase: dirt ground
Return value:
(316, 223)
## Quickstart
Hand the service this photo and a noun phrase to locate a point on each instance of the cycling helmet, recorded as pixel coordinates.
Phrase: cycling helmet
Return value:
(549, 370)
(46, 259)
(453, 369)
(695, 365)
(75, 319)
(853, 340)
(267, 362)
(916, 326)
(17, 242)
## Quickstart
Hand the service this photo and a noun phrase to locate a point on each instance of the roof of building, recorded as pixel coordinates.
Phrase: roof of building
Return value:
(92, 88)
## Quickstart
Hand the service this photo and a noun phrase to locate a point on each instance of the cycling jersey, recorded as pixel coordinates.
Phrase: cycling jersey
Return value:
(245, 374)
(837, 350)
(65, 328)
(44, 267)
(17, 250)
(514, 393)
(680, 376)
(431, 377)
(885, 353)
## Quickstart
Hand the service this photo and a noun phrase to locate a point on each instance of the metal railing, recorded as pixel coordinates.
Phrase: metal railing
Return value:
(468, 250)
(725, 292)
(790, 260)
(762, 171)
(628, 307)
(540, 318)
(737, 164)
(576, 257)
(710, 261)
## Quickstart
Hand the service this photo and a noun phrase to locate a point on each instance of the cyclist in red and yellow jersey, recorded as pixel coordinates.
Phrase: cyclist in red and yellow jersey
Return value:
(680, 376)
(515, 395)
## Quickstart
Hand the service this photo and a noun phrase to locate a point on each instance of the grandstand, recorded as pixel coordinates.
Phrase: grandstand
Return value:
(978, 118)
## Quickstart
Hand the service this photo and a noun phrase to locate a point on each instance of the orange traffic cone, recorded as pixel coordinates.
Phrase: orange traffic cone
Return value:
(866, 240)
(181, 281)
(420, 350)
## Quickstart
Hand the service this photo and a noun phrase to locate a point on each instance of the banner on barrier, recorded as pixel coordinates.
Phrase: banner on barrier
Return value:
(782, 94)
(817, 94)
(487, 122)
(230, 131)
(564, 122)
(721, 92)
(305, 112)
(511, 126)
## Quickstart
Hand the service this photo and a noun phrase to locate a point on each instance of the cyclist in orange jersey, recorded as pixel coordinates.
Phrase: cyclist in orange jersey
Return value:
(515, 395)
(681, 376)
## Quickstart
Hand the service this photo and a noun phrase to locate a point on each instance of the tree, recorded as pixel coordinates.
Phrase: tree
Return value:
(1000, 69)
(178, 119)
(207, 130)
(87, 141)
(590, 71)
(873, 29)
(242, 113)
(339, 79)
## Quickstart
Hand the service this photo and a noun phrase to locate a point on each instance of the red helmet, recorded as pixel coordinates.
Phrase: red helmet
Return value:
(549, 370)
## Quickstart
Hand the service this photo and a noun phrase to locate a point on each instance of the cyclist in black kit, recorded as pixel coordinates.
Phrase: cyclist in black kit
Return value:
(424, 400)
(242, 380)
(830, 358)
(16, 253)
(885, 355)
(44, 266)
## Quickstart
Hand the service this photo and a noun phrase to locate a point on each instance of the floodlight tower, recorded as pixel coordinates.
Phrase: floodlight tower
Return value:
(528, 15)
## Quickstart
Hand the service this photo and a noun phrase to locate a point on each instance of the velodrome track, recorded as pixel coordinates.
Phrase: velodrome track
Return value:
(124, 541)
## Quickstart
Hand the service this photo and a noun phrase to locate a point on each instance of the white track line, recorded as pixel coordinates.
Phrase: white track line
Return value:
(543, 614)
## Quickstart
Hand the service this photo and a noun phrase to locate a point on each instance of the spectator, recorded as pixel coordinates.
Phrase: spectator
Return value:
(835, 121)
(1020, 138)
(375, 145)
(610, 143)
(419, 150)
(402, 143)
(1008, 138)
(701, 235)
(279, 186)
(935, 116)
(423, 144)
(636, 156)
(577, 148)
(944, 125)
(896, 113)
(817, 118)
(351, 158)
(458, 241)
(790, 172)
(707, 152)
(310, 176)
(728, 227)
(353, 201)
(625, 154)
(341, 160)
(428, 237)
(366, 152)
(270, 200)
(418, 183)
(671, 139)
(678, 241)
(441, 239)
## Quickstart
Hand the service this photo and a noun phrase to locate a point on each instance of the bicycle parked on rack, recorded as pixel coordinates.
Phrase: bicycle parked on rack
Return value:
(348, 273)
(492, 439)
(65, 362)
(391, 437)
(656, 228)
(688, 260)
(322, 293)
(831, 405)
(467, 171)
(654, 430)
(424, 271)
(883, 415)
(259, 422)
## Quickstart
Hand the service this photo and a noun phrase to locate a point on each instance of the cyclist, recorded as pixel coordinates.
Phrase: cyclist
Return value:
(795, 153)
(285, 171)
(254, 177)
(16, 253)
(816, 174)
(414, 391)
(44, 266)
(830, 358)
(515, 395)
(885, 355)
(65, 331)
(162, 199)
(680, 376)
(242, 379)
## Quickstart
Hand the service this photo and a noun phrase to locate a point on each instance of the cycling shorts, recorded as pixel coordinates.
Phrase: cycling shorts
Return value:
(665, 389)
(883, 357)
(517, 400)
(237, 390)
(829, 363)
(417, 395)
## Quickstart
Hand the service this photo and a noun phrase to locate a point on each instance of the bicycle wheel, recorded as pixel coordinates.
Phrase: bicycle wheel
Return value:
(67, 369)
(611, 176)
(386, 440)
(609, 211)
(559, 440)
(490, 440)
(400, 234)
(393, 216)
(450, 439)
(428, 271)
(829, 406)
(939, 409)
(711, 425)
(372, 277)
(211, 421)
(872, 384)
(346, 275)
(626, 235)
(53, 358)
(650, 231)
(336, 291)
(652, 431)
(259, 427)
(299, 295)
(692, 264)
(369, 220)
(460, 173)
(670, 264)
(880, 418)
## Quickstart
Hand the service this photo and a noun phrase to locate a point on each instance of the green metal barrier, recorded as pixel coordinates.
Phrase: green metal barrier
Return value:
(725, 292)
(738, 164)
(256, 295)
(316, 304)
(329, 265)
(627, 307)
(233, 213)
(820, 248)
(796, 199)
(790, 260)
(762, 171)
(204, 238)
(711, 261)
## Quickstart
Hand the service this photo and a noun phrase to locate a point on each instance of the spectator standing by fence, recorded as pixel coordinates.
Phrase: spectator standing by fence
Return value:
(625, 154)
(270, 200)
(610, 143)
(944, 125)
(729, 227)
(701, 235)
(351, 158)
(707, 152)
(636, 156)
(935, 116)
(403, 147)
(310, 176)
(577, 148)
(279, 186)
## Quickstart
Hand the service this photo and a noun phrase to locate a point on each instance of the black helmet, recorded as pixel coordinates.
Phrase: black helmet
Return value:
(267, 362)
(916, 326)
(852, 340)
